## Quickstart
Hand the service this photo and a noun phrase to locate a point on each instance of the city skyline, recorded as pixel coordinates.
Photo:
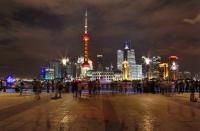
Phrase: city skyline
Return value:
(32, 32)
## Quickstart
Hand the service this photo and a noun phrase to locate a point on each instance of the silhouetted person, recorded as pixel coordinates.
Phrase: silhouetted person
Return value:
(90, 87)
(52, 86)
(1, 84)
(60, 87)
(48, 86)
(21, 87)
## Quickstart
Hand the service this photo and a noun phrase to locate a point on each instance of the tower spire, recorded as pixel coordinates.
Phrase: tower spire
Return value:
(86, 23)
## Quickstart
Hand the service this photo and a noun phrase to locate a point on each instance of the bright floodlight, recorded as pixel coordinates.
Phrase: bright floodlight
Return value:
(174, 66)
(147, 61)
(64, 61)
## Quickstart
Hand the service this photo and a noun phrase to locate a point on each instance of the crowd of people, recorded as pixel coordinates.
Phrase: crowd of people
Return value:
(95, 87)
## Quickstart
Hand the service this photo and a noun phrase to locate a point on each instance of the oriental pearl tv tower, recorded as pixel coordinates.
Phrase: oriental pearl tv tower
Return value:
(85, 65)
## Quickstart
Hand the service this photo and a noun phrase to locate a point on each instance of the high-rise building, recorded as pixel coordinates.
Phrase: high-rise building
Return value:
(164, 70)
(128, 56)
(68, 70)
(131, 62)
(137, 72)
(126, 49)
(99, 62)
(47, 73)
(56, 65)
(120, 59)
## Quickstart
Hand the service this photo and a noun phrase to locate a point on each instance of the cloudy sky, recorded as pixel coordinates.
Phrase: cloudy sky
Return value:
(34, 31)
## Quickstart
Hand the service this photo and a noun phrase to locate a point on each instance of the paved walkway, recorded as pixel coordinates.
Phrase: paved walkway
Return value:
(141, 112)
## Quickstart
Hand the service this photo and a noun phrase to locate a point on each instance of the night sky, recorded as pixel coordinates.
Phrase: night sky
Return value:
(35, 31)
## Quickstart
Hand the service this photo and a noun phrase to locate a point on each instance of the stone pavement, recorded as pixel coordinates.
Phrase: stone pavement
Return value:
(140, 112)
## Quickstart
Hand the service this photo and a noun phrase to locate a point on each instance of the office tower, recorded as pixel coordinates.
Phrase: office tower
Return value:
(120, 59)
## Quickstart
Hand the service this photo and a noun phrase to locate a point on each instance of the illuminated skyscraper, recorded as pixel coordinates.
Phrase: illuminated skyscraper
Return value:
(131, 61)
(85, 43)
(126, 49)
(55, 64)
(128, 56)
(120, 59)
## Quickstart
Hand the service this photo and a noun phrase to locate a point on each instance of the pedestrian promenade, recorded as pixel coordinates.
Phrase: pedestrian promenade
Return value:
(138, 112)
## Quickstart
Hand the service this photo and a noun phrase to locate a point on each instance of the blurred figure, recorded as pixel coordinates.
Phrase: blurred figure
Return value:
(52, 86)
(75, 89)
(98, 86)
(48, 86)
(1, 84)
(172, 88)
(90, 87)
(36, 89)
(60, 88)
(21, 87)
(80, 89)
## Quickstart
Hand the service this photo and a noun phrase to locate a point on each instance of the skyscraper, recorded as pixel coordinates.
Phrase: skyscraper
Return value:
(128, 55)
(126, 49)
(120, 59)
(131, 62)
(55, 64)
(99, 62)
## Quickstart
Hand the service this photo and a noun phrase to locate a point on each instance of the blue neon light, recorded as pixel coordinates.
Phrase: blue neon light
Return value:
(10, 80)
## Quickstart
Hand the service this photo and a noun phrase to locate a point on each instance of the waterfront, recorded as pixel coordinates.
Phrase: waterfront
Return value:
(139, 112)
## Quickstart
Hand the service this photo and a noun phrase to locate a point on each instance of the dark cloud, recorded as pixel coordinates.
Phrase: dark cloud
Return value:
(34, 31)
(40, 18)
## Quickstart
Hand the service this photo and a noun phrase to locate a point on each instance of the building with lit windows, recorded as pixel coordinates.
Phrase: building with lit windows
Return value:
(120, 59)
(164, 70)
(99, 62)
(128, 56)
(137, 72)
(68, 70)
(131, 62)
(56, 65)
(174, 68)
(103, 76)
(47, 73)
(80, 71)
